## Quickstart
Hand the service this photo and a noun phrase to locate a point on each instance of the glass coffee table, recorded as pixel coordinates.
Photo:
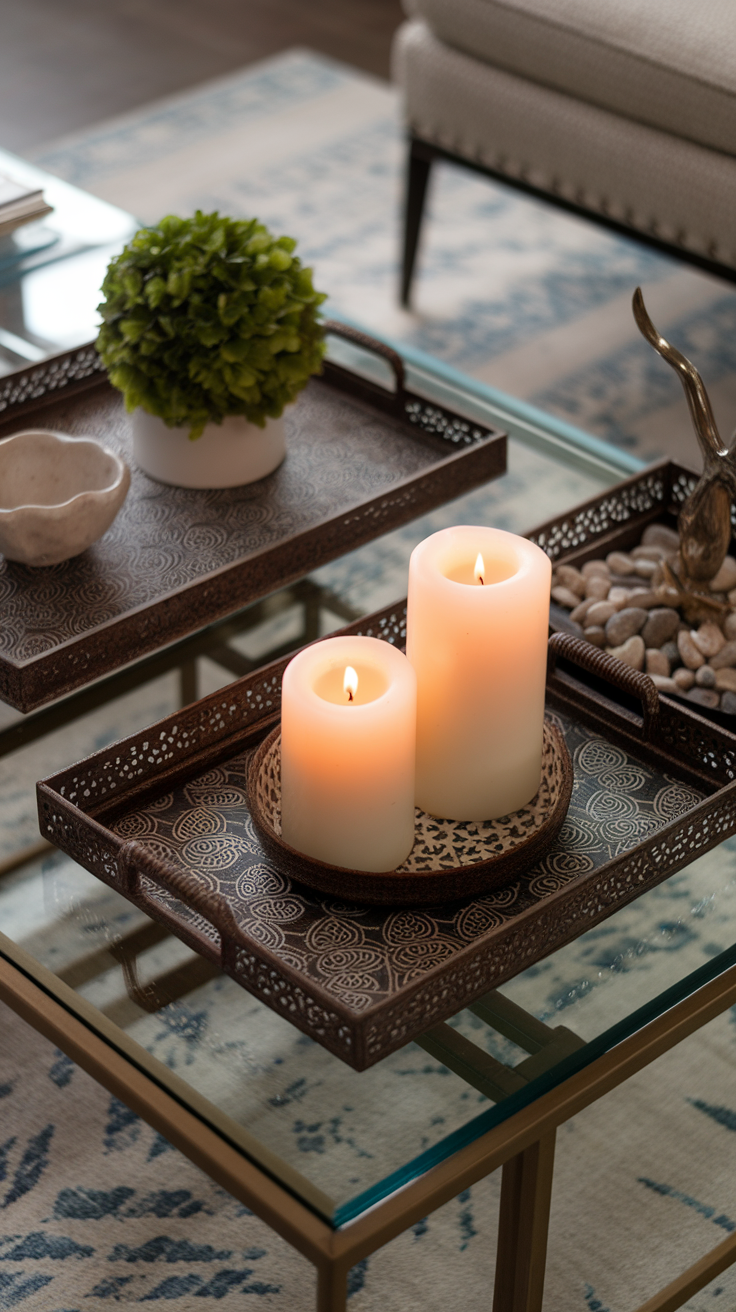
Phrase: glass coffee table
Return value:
(337, 1161)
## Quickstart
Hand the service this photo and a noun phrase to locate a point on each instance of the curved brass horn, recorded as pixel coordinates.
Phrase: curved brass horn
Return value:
(706, 428)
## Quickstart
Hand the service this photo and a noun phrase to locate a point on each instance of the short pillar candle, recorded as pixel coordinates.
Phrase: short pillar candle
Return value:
(477, 626)
(348, 726)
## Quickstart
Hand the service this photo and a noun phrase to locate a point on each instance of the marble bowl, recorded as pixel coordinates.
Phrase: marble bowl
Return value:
(58, 495)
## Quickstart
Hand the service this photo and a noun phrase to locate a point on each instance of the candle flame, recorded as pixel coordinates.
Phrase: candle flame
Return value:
(350, 682)
(479, 570)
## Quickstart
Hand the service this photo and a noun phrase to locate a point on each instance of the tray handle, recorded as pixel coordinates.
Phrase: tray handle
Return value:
(601, 663)
(331, 326)
(135, 859)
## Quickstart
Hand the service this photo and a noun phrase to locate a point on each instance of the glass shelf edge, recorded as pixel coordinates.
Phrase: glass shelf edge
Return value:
(568, 1066)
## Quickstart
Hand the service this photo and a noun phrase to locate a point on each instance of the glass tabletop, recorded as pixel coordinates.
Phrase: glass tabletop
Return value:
(341, 1140)
(51, 269)
(338, 1139)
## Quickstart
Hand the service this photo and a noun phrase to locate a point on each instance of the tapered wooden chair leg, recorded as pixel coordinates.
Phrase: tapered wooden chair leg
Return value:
(526, 1193)
(417, 177)
(332, 1289)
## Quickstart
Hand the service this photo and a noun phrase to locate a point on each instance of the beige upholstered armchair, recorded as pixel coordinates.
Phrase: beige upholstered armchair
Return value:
(621, 110)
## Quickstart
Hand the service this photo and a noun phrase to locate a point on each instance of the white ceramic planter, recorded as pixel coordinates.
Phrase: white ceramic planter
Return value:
(226, 455)
(58, 495)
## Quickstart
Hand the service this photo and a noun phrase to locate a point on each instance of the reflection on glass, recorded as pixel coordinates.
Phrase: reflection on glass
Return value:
(334, 1134)
(60, 300)
(51, 270)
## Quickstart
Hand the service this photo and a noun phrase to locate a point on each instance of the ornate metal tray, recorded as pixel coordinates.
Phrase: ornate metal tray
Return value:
(615, 521)
(163, 818)
(362, 460)
(449, 860)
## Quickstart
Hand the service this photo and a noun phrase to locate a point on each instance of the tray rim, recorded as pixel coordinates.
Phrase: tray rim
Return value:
(70, 664)
(380, 890)
(362, 1038)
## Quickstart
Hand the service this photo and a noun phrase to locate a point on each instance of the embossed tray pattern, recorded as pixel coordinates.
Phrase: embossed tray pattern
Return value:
(361, 460)
(163, 818)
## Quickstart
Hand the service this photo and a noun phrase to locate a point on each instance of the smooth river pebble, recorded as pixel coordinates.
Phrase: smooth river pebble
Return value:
(704, 697)
(662, 624)
(647, 553)
(619, 563)
(600, 612)
(623, 624)
(725, 680)
(726, 656)
(571, 578)
(690, 654)
(708, 639)
(564, 597)
(631, 652)
(595, 635)
(582, 608)
(705, 677)
(659, 535)
(655, 662)
(597, 585)
(729, 625)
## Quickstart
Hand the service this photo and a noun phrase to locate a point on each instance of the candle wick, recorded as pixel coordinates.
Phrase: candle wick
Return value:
(480, 579)
(350, 695)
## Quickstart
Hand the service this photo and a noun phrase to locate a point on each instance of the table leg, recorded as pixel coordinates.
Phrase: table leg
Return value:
(526, 1192)
(332, 1288)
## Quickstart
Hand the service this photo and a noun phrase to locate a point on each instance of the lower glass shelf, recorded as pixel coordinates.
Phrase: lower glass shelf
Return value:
(339, 1139)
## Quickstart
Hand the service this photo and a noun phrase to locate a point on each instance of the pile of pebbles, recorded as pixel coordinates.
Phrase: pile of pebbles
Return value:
(625, 605)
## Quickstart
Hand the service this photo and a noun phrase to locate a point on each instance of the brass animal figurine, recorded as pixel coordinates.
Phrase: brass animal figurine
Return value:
(704, 522)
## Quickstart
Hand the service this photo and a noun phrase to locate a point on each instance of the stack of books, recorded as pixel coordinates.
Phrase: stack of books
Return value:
(19, 204)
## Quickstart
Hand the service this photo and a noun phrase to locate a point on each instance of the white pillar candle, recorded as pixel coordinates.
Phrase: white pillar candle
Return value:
(477, 638)
(348, 753)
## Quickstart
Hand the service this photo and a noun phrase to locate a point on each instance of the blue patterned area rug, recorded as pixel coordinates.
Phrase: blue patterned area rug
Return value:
(97, 1210)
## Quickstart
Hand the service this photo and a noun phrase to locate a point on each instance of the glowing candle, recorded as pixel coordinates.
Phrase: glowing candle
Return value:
(477, 638)
(348, 719)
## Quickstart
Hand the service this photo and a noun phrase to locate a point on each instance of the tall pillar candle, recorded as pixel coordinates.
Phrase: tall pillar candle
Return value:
(477, 629)
(348, 721)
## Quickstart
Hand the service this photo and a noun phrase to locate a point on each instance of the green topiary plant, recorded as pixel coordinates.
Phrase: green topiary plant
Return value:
(208, 317)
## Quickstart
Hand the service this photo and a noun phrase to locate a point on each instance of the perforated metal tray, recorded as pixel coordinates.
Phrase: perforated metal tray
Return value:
(163, 817)
(361, 460)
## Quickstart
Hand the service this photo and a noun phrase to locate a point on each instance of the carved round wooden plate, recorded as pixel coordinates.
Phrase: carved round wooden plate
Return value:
(450, 860)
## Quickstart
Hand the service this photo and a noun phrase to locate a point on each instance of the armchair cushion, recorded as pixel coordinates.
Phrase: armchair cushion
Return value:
(657, 181)
(667, 63)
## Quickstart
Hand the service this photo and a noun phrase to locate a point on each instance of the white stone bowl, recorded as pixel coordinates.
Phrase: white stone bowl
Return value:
(58, 495)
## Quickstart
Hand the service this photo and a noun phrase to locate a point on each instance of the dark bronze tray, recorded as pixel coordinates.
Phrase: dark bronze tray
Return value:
(163, 818)
(614, 521)
(361, 460)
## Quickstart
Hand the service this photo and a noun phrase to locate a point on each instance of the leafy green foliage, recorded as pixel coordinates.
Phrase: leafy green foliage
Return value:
(208, 317)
